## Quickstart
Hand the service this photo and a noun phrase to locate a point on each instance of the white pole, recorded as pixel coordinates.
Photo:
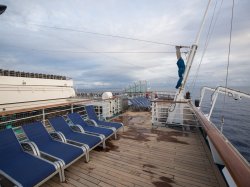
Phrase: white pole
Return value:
(202, 24)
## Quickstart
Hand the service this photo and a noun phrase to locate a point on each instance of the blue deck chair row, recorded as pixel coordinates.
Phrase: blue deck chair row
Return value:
(62, 153)
(140, 103)
(20, 167)
(93, 117)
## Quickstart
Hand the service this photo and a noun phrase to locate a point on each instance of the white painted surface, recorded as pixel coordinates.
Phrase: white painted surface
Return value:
(15, 90)
(228, 177)
(8, 80)
(107, 95)
(175, 112)
(215, 154)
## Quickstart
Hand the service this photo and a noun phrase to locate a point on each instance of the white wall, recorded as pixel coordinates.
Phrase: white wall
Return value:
(21, 89)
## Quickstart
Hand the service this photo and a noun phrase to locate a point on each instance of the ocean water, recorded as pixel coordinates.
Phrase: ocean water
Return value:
(236, 120)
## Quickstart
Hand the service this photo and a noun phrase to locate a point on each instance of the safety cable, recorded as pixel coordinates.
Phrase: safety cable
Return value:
(228, 63)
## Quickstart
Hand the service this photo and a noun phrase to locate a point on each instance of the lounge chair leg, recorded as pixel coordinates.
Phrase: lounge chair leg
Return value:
(61, 165)
(104, 144)
(87, 157)
(61, 175)
(85, 148)
(115, 136)
(122, 127)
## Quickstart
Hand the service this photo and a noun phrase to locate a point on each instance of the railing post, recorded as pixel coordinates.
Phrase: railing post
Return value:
(72, 108)
(43, 112)
(153, 112)
(99, 111)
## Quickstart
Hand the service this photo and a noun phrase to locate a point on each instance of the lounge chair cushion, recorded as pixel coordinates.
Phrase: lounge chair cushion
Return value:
(77, 119)
(99, 130)
(61, 125)
(90, 140)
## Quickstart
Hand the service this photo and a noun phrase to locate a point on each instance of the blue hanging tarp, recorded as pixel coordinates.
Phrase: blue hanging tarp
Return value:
(181, 70)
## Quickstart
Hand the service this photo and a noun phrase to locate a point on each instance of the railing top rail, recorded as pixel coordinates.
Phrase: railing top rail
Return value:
(3, 113)
(168, 101)
(41, 114)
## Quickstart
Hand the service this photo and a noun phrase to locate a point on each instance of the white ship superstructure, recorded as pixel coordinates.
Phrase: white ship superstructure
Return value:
(21, 90)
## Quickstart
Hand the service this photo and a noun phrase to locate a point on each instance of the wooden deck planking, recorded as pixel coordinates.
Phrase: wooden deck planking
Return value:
(153, 160)
(160, 168)
(145, 157)
(166, 154)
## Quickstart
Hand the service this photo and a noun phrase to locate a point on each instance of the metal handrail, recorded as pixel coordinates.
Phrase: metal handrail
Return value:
(72, 106)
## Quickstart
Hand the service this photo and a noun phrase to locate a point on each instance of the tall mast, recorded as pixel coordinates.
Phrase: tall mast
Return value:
(193, 51)
(176, 115)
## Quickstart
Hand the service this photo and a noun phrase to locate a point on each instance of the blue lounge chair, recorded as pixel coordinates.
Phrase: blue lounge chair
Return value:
(92, 116)
(140, 103)
(76, 119)
(89, 141)
(64, 152)
(20, 167)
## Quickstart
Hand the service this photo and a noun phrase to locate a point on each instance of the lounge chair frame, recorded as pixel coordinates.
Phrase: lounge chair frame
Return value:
(61, 162)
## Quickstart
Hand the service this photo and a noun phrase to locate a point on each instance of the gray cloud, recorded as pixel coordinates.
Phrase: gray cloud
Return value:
(26, 46)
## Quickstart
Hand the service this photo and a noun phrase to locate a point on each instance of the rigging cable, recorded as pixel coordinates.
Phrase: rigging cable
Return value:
(99, 34)
(104, 54)
(112, 52)
(228, 63)
(209, 34)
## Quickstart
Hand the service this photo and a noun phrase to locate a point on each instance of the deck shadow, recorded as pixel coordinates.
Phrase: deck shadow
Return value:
(109, 147)
(164, 182)
(143, 134)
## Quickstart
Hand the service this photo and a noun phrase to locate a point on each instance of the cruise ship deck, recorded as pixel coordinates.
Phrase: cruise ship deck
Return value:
(142, 156)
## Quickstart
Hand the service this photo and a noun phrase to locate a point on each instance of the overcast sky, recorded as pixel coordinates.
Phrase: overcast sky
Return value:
(55, 37)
